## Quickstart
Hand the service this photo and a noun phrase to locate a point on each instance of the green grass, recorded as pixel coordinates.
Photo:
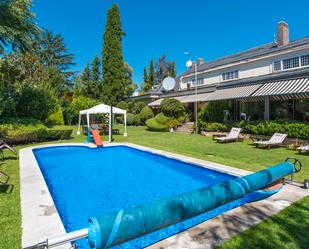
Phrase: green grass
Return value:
(241, 155)
(289, 229)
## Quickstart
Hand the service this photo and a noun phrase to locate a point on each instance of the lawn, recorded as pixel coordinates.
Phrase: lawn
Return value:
(241, 155)
(289, 229)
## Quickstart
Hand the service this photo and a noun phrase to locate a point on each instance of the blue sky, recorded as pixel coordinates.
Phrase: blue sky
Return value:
(208, 29)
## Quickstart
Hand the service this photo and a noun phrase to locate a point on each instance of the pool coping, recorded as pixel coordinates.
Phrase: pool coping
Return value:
(40, 219)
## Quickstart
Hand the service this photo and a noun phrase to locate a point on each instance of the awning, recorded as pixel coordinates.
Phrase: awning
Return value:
(238, 92)
(201, 97)
(298, 86)
(195, 98)
(156, 102)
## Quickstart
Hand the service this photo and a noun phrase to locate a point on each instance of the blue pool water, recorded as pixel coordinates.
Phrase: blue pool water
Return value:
(86, 182)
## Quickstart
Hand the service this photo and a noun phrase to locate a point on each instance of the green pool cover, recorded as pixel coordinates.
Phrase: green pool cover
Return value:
(116, 228)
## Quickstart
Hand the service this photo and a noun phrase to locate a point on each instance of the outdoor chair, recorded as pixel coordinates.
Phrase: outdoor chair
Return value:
(4, 178)
(97, 127)
(303, 148)
(233, 136)
(4, 145)
(275, 141)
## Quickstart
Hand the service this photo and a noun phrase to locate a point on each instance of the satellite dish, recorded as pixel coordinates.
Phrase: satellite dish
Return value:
(168, 83)
(189, 63)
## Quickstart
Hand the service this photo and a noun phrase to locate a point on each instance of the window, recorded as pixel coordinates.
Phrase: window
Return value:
(277, 65)
(290, 63)
(230, 75)
(200, 81)
(304, 60)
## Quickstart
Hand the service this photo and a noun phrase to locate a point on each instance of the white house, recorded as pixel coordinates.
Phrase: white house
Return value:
(270, 81)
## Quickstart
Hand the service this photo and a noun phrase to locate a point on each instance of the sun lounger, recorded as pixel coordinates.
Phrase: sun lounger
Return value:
(303, 148)
(4, 145)
(276, 140)
(4, 178)
(233, 136)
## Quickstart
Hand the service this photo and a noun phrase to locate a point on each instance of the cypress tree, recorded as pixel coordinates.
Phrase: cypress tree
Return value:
(145, 79)
(152, 77)
(172, 71)
(113, 89)
(86, 73)
(88, 87)
(95, 70)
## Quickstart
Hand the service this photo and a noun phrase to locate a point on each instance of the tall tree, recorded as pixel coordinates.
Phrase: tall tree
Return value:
(52, 51)
(152, 76)
(17, 24)
(162, 68)
(113, 70)
(145, 86)
(95, 70)
(172, 69)
(86, 87)
(130, 86)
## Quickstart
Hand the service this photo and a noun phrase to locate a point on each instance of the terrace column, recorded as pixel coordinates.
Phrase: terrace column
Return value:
(266, 108)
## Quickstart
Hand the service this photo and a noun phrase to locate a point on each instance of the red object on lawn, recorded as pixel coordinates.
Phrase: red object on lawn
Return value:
(96, 138)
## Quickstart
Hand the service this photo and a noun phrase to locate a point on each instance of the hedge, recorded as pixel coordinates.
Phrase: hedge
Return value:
(293, 129)
(24, 134)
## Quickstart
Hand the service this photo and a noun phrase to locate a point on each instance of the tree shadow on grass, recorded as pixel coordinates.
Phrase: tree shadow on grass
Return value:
(288, 229)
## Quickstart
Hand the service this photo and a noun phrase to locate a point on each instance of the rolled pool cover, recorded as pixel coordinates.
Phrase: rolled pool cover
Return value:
(124, 225)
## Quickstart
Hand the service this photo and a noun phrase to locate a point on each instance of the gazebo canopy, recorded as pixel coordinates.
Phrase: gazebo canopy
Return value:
(102, 109)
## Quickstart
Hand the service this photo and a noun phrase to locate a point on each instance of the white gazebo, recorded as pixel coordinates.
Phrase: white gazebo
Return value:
(103, 109)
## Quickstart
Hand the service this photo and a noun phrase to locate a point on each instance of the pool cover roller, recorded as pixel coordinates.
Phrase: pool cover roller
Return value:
(126, 224)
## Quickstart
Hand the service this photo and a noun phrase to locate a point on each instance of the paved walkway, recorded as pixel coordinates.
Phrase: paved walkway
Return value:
(214, 232)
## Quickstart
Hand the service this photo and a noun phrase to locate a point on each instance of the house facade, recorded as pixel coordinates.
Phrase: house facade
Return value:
(267, 82)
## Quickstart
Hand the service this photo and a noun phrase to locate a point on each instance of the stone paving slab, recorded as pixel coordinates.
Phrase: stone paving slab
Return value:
(214, 232)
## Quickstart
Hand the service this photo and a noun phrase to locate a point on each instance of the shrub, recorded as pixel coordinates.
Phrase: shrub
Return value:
(78, 103)
(122, 105)
(172, 108)
(19, 121)
(173, 123)
(23, 134)
(137, 120)
(146, 113)
(58, 133)
(216, 127)
(182, 119)
(138, 106)
(162, 119)
(55, 118)
(130, 119)
(213, 112)
(131, 106)
(36, 102)
(293, 129)
(153, 125)
(158, 123)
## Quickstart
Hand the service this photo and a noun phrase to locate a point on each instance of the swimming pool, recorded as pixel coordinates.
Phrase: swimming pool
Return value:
(86, 182)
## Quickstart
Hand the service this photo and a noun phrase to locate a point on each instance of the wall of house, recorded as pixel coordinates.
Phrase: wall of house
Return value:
(246, 70)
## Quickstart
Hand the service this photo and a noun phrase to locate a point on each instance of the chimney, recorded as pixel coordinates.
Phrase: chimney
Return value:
(283, 33)
(200, 61)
